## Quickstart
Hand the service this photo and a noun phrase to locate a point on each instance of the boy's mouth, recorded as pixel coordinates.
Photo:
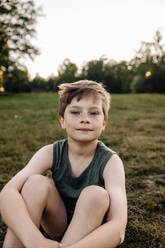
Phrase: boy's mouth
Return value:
(84, 129)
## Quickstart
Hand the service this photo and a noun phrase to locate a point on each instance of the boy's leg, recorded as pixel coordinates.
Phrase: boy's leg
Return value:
(90, 210)
(45, 207)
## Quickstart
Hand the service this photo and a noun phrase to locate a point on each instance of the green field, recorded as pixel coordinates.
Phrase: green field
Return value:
(136, 130)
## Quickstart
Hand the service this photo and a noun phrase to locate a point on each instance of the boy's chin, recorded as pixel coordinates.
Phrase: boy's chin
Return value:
(84, 140)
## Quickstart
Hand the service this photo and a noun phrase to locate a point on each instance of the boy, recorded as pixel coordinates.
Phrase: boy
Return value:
(86, 207)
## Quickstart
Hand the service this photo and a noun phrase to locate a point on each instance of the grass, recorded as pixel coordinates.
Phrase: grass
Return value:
(136, 130)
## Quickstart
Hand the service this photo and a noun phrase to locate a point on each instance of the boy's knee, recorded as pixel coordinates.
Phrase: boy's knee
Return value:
(96, 197)
(35, 185)
(11, 240)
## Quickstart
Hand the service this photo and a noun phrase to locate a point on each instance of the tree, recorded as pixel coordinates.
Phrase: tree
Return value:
(67, 72)
(150, 52)
(17, 81)
(117, 77)
(94, 70)
(52, 83)
(17, 28)
(150, 58)
(39, 84)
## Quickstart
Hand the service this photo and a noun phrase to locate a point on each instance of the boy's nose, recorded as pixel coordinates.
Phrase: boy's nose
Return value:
(84, 121)
(84, 118)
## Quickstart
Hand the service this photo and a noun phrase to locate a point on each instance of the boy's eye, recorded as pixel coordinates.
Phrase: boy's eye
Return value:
(94, 113)
(75, 112)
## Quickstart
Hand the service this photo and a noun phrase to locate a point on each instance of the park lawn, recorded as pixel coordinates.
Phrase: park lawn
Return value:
(136, 131)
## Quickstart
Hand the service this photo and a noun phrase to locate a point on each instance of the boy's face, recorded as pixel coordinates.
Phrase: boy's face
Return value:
(84, 119)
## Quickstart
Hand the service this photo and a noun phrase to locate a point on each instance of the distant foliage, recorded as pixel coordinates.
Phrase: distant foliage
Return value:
(145, 73)
(17, 28)
(67, 72)
(148, 67)
(17, 81)
(38, 84)
(52, 83)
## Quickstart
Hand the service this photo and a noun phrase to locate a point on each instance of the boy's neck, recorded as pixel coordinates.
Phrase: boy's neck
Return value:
(81, 148)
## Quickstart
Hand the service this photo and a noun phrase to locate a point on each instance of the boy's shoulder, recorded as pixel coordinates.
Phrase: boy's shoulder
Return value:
(104, 147)
(43, 157)
(60, 144)
(46, 149)
(59, 147)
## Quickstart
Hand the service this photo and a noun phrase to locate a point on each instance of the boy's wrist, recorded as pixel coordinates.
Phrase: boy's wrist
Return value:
(35, 241)
(66, 246)
(45, 243)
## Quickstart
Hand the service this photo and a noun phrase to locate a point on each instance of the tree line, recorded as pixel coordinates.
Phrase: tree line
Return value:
(143, 73)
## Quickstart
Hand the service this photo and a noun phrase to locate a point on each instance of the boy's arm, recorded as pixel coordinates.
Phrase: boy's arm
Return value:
(110, 234)
(114, 177)
(12, 206)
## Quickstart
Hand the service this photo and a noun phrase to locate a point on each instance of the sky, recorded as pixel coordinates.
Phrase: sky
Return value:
(83, 30)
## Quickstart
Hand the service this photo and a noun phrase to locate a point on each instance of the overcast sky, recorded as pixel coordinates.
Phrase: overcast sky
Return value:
(82, 30)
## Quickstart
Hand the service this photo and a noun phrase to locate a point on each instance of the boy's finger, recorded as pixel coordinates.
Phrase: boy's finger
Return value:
(64, 245)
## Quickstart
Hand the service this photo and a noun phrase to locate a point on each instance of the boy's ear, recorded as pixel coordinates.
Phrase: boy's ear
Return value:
(105, 122)
(62, 122)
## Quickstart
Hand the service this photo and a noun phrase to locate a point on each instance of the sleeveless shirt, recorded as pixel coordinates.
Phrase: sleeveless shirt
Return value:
(70, 186)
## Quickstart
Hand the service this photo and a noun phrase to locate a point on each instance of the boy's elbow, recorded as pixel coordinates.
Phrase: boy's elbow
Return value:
(122, 232)
(122, 236)
(3, 191)
(4, 195)
(119, 230)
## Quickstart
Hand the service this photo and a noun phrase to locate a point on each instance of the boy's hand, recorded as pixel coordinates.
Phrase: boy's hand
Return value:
(47, 243)
(64, 245)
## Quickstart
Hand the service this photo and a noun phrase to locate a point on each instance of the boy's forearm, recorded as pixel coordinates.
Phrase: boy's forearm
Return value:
(16, 217)
(107, 235)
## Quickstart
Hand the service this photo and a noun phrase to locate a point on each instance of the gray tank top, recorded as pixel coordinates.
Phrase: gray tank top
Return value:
(66, 183)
